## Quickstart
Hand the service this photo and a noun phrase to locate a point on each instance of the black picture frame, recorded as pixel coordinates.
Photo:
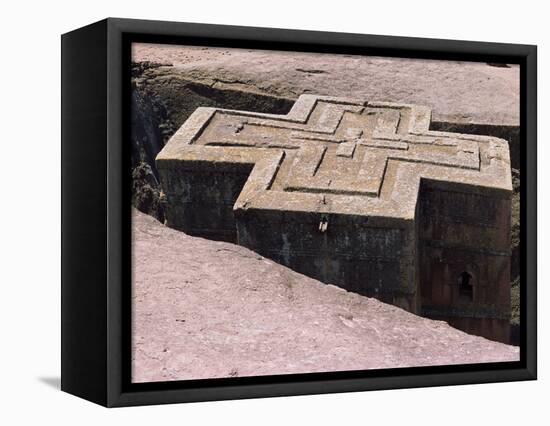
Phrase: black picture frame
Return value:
(96, 210)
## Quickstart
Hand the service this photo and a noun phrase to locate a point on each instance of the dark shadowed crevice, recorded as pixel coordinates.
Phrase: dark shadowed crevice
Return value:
(160, 104)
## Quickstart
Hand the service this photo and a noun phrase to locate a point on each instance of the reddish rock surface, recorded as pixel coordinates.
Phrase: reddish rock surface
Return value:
(459, 92)
(205, 309)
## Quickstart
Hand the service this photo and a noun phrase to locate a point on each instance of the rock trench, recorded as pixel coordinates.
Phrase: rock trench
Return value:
(165, 94)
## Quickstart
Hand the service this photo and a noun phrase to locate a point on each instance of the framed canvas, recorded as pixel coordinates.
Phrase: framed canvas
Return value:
(255, 212)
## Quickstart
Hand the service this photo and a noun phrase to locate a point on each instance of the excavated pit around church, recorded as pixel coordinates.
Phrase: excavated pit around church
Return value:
(162, 101)
(173, 99)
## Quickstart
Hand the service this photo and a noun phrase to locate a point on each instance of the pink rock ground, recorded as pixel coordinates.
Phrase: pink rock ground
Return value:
(461, 92)
(206, 309)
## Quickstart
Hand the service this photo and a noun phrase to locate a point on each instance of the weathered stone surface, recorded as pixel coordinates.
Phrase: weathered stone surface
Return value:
(457, 92)
(189, 77)
(358, 194)
(204, 309)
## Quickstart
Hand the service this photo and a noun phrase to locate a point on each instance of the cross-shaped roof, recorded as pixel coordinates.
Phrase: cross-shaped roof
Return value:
(339, 155)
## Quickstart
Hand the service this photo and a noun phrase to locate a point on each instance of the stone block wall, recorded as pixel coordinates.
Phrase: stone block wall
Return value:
(343, 250)
(464, 259)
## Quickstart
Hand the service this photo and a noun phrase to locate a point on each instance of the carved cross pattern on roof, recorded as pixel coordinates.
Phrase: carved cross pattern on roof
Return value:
(339, 155)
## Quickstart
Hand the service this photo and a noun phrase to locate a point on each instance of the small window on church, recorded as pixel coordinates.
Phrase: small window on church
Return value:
(465, 289)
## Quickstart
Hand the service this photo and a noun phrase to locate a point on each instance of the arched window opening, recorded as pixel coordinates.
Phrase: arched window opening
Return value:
(465, 288)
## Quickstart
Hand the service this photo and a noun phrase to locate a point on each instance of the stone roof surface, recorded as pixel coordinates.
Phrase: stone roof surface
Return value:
(203, 309)
(459, 92)
(339, 155)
